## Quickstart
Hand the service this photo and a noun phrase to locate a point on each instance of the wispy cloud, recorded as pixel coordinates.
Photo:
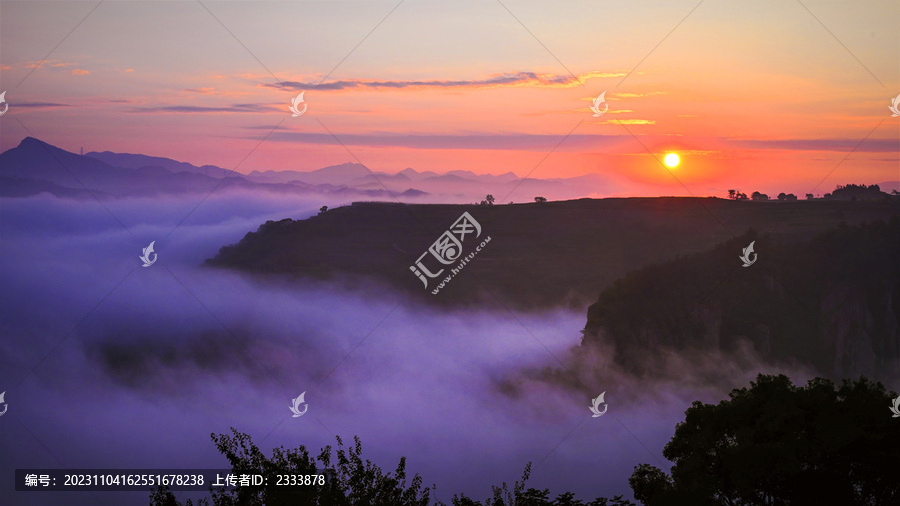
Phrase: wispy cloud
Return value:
(521, 79)
(630, 122)
(520, 142)
(540, 142)
(868, 145)
(195, 109)
(48, 63)
(40, 105)
(203, 91)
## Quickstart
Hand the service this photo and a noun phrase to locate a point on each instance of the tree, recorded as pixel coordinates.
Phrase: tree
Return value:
(778, 444)
(782, 196)
(323, 209)
(759, 196)
(502, 496)
(489, 199)
(810, 196)
(732, 194)
(540, 200)
(742, 196)
(350, 481)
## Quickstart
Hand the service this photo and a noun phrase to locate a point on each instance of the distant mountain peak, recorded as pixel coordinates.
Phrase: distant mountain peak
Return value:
(30, 142)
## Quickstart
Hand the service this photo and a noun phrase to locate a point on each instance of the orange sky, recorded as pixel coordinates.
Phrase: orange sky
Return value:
(769, 96)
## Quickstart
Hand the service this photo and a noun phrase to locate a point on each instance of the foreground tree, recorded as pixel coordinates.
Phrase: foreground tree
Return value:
(778, 444)
(351, 480)
(502, 496)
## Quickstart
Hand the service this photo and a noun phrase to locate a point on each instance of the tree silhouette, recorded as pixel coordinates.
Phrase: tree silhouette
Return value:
(732, 194)
(540, 200)
(323, 209)
(489, 199)
(350, 480)
(502, 496)
(778, 444)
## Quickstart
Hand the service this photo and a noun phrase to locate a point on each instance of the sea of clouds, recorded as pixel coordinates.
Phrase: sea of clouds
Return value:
(108, 364)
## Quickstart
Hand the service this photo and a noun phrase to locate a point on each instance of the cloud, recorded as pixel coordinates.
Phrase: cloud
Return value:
(40, 105)
(523, 142)
(49, 63)
(193, 109)
(638, 95)
(630, 122)
(203, 91)
(846, 145)
(521, 79)
(540, 142)
(80, 72)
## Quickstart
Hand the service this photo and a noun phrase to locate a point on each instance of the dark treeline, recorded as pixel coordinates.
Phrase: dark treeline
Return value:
(773, 443)
(841, 192)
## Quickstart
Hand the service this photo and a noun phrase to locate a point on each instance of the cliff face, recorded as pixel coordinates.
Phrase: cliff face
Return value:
(832, 303)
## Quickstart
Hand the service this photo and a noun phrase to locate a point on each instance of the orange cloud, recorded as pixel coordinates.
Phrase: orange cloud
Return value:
(505, 80)
(630, 122)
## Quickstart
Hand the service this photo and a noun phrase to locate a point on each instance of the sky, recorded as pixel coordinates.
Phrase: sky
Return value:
(770, 95)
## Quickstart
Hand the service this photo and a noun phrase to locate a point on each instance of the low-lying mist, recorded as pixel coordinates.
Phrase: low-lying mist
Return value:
(107, 364)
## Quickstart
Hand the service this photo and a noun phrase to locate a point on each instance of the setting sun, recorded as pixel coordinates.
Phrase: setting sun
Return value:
(672, 160)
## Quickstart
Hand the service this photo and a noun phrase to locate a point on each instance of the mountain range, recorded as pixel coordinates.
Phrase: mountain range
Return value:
(35, 166)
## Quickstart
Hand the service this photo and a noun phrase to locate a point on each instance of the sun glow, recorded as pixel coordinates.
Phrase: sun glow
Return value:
(672, 160)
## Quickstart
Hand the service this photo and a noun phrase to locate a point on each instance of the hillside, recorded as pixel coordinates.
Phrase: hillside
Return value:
(832, 301)
(540, 255)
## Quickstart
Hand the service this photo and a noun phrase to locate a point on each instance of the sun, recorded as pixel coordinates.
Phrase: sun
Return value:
(672, 160)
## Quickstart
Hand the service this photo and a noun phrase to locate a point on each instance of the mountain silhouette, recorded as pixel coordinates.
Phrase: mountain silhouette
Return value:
(137, 161)
(105, 173)
(35, 166)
